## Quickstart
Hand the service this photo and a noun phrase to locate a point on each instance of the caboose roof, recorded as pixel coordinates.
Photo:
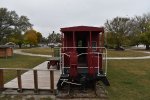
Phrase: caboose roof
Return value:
(82, 28)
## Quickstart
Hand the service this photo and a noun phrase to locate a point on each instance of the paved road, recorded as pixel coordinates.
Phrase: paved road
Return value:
(109, 58)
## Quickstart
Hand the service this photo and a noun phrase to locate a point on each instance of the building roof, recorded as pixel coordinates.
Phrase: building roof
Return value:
(82, 28)
(4, 46)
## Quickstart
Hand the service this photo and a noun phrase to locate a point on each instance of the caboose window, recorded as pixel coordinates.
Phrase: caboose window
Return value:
(94, 44)
(79, 43)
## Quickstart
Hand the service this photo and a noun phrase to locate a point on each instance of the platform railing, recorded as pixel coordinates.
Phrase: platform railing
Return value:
(19, 78)
(104, 56)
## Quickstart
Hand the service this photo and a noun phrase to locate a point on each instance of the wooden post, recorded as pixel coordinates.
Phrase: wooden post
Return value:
(53, 52)
(35, 81)
(1, 79)
(6, 53)
(19, 81)
(52, 80)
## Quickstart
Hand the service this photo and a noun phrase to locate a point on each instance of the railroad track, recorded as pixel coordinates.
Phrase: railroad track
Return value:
(78, 93)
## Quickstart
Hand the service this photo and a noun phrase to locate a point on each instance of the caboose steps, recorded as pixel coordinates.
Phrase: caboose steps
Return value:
(77, 92)
(104, 80)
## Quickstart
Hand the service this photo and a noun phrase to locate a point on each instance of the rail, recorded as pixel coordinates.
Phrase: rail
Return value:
(19, 78)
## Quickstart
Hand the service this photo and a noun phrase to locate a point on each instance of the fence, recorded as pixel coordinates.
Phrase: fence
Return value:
(19, 78)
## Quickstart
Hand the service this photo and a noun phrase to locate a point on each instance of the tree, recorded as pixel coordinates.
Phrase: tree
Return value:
(117, 31)
(134, 33)
(39, 37)
(44, 40)
(54, 37)
(58, 38)
(23, 24)
(140, 30)
(10, 23)
(17, 38)
(145, 39)
(144, 29)
(30, 37)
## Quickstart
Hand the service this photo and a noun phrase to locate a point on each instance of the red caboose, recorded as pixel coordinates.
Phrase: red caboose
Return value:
(83, 56)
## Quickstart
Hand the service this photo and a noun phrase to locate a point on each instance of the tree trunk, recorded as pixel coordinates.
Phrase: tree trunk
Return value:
(20, 45)
(147, 47)
(117, 47)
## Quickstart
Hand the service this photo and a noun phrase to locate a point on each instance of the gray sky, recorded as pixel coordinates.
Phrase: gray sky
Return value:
(51, 15)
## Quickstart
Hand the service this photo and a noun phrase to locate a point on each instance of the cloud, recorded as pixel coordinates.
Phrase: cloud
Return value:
(50, 15)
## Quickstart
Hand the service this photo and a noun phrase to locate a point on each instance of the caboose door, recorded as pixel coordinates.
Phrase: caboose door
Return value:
(81, 39)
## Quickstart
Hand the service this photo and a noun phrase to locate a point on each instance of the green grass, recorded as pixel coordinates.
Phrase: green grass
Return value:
(126, 53)
(43, 51)
(19, 61)
(129, 79)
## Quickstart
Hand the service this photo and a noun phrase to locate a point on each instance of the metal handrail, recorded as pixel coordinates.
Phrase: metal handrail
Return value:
(81, 54)
(104, 54)
(66, 54)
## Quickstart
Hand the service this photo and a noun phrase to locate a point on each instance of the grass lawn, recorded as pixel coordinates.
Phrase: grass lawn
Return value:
(129, 79)
(19, 61)
(126, 53)
(43, 51)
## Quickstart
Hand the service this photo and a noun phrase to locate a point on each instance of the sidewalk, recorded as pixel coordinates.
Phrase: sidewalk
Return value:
(28, 78)
(30, 54)
(127, 58)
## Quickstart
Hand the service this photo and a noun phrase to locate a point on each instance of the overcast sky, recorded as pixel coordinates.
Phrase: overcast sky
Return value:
(51, 15)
